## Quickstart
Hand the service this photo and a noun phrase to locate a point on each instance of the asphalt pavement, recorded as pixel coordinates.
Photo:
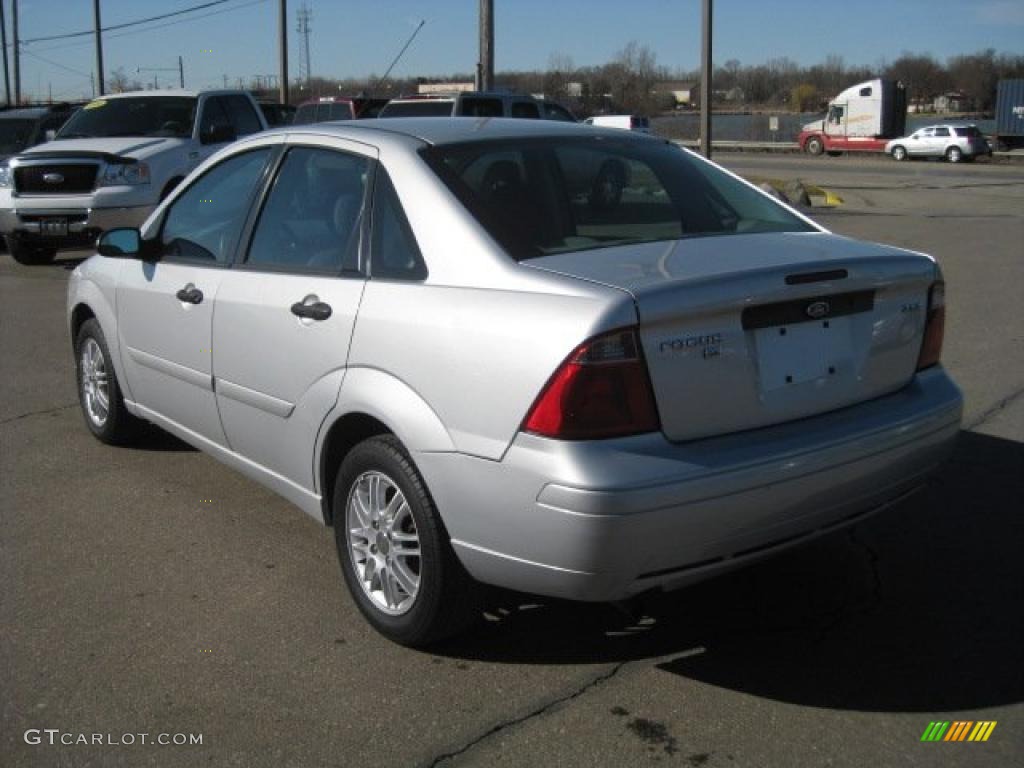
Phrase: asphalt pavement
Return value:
(153, 591)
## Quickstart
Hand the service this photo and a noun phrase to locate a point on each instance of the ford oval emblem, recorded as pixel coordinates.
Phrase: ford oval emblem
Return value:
(53, 178)
(818, 309)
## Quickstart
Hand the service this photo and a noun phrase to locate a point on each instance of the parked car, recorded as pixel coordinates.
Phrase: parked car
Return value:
(111, 163)
(277, 114)
(28, 126)
(465, 104)
(476, 374)
(623, 122)
(953, 142)
(337, 108)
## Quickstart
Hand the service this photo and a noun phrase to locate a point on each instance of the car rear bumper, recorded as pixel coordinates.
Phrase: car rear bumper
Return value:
(603, 520)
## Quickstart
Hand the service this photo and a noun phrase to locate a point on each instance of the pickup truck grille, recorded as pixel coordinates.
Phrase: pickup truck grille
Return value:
(56, 179)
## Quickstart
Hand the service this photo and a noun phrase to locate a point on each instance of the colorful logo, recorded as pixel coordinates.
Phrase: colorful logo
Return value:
(959, 730)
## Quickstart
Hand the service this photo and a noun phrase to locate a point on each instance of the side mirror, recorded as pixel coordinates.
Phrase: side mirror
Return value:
(218, 133)
(50, 134)
(121, 243)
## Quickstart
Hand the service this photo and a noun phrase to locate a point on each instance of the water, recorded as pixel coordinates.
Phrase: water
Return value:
(755, 127)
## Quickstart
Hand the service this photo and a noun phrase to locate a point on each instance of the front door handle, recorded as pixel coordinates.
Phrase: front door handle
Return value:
(318, 310)
(190, 294)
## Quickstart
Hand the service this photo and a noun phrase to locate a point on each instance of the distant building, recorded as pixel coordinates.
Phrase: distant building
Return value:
(574, 90)
(953, 101)
(444, 87)
(683, 94)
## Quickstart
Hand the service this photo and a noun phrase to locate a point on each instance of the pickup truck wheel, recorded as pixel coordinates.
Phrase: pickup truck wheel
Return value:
(814, 146)
(954, 155)
(30, 255)
(899, 153)
(395, 555)
(98, 390)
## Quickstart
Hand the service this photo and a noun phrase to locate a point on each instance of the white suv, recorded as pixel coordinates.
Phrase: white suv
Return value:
(953, 142)
(112, 163)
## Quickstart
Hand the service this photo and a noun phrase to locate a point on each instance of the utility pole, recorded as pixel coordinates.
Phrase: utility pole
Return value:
(17, 52)
(705, 79)
(3, 42)
(305, 15)
(486, 65)
(99, 45)
(282, 49)
(181, 72)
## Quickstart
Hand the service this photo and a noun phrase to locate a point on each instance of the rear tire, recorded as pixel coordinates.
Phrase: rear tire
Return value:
(954, 154)
(99, 392)
(814, 146)
(383, 513)
(30, 255)
(899, 153)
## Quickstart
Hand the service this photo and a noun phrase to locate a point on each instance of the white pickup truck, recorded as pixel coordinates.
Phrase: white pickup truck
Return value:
(111, 163)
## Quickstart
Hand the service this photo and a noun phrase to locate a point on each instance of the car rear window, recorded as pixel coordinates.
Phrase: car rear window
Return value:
(968, 130)
(554, 195)
(424, 108)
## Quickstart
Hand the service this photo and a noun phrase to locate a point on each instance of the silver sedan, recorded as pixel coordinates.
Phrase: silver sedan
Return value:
(480, 361)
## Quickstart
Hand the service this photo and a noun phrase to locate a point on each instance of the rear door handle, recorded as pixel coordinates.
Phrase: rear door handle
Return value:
(190, 294)
(318, 310)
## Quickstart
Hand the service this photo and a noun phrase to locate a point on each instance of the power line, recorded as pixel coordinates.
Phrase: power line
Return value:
(154, 27)
(86, 75)
(125, 24)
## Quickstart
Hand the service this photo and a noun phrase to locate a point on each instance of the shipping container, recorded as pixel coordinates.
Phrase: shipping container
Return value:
(1010, 114)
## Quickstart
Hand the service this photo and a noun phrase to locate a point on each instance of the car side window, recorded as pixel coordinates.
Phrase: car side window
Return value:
(525, 109)
(942, 131)
(394, 253)
(481, 106)
(204, 222)
(213, 115)
(242, 115)
(313, 216)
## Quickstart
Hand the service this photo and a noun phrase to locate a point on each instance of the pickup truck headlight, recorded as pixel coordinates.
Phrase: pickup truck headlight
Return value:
(5, 175)
(124, 174)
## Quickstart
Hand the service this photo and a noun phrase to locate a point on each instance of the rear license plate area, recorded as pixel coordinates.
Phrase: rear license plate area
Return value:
(794, 354)
(804, 339)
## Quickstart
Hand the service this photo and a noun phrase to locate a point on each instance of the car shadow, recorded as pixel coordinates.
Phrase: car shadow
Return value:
(153, 438)
(916, 609)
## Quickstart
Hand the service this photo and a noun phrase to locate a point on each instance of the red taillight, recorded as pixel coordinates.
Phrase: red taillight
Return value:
(601, 390)
(934, 327)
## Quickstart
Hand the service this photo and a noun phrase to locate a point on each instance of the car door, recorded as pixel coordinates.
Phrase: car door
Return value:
(165, 307)
(284, 317)
(917, 143)
(214, 119)
(943, 139)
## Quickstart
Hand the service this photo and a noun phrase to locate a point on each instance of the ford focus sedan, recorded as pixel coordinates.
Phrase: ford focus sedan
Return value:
(451, 342)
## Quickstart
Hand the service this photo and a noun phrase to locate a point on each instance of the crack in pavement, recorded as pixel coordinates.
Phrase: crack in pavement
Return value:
(543, 709)
(994, 410)
(39, 413)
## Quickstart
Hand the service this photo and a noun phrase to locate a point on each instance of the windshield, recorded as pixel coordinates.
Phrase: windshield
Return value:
(544, 196)
(14, 135)
(133, 116)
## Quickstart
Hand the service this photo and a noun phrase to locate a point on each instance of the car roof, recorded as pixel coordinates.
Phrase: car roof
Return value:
(167, 92)
(26, 113)
(455, 130)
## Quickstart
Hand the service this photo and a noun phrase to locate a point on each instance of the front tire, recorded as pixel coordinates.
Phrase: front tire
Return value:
(30, 255)
(814, 146)
(99, 392)
(899, 154)
(954, 154)
(395, 555)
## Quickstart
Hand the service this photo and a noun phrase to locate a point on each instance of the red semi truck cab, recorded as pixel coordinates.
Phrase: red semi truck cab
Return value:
(860, 119)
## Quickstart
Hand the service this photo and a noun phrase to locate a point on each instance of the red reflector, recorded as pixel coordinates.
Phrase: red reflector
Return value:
(601, 390)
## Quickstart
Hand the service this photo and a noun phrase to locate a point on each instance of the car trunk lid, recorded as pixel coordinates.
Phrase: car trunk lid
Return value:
(745, 331)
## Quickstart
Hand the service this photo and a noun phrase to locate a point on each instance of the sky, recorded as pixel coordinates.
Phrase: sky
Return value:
(355, 38)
